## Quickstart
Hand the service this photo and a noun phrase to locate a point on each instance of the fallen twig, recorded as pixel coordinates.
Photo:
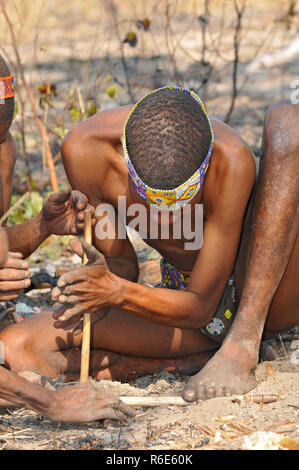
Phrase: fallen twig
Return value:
(14, 207)
(154, 401)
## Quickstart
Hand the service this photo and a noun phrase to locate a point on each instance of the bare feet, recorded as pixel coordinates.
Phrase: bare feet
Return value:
(224, 375)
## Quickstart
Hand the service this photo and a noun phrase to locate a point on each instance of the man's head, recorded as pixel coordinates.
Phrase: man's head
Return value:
(6, 104)
(168, 136)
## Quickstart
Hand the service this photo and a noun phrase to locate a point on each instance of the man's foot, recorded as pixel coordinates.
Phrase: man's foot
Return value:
(224, 375)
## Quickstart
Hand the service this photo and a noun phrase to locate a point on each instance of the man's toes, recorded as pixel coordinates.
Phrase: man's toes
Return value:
(210, 391)
(219, 391)
(228, 392)
(189, 392)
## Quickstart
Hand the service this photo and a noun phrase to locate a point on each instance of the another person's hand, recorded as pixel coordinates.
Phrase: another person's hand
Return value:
(14, 277)
(84, 402)
(63, 213)
(91, 288)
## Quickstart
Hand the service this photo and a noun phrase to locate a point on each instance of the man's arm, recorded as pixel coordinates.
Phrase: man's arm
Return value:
(7, 163)
(93, 144)
(25, 238)
(228, 192)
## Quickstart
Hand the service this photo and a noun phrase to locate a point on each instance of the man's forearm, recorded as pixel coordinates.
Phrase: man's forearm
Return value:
(18, 391)
(181, 309)
(27, 237)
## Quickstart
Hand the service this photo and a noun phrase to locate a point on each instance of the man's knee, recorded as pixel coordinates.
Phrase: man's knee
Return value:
(16, 345)
(280, 134)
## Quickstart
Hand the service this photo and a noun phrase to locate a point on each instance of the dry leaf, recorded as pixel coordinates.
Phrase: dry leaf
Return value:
(289, 443)
(269, 371)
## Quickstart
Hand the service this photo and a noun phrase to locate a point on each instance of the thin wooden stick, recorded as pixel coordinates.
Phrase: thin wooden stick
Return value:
(85, 348)
(179, 401)
(154, 401)
(14, 207)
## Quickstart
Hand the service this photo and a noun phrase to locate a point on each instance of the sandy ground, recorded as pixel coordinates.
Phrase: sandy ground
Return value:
(218, 423)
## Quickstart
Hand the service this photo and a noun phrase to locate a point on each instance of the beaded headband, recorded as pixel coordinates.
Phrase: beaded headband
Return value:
(169, 199)
(6, 87)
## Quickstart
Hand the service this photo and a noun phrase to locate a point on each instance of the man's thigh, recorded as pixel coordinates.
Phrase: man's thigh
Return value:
(118, 332)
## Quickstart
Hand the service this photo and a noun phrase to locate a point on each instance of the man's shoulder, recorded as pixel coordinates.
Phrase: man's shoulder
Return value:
(231, 173)
(96, 138)
(231, 155)
(103, 127)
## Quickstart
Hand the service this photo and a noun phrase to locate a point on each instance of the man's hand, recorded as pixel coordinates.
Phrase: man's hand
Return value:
(63, 213)
(14, 277)
(84, 402)
(88, 289)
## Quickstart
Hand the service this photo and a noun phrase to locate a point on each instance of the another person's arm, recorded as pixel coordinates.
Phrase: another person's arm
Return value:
(73, 404)
(62, 214)
(7, 163)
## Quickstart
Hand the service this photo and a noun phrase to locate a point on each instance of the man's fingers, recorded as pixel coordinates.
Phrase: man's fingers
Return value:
(79, 199)
(59, 198)
(69, 325)
(14, 285)
(68, 299)
(37, 379)
(69, 278)
(128, 410)
(55, 294)
(78, 329)
(76, 246)
(67, 314)
(93, 255)
(7, 274)
(4, 297)
(15, 263)
(12, 254)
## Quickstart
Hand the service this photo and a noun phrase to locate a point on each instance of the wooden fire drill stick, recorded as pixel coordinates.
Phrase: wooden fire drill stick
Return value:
(85, 348)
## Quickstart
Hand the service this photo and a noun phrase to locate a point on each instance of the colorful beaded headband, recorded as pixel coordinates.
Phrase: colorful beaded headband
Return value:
(6, 87)
(169, 199)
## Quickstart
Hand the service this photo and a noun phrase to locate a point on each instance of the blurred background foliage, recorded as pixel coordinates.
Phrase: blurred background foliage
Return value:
(82, 56)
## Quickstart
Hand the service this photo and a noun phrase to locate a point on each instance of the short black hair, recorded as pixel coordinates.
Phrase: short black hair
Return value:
(168, 135)
(6, 108)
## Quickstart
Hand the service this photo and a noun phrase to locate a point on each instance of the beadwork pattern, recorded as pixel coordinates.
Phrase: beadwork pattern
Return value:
(172, 277)
(6, 87)
(169, 199)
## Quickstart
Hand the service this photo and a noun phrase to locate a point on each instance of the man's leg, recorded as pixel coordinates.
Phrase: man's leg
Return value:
(269, 282)
(122, 347)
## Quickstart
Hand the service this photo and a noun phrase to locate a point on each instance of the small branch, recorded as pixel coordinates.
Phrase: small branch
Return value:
(239, 12)
(14, 207)
(154, 401)
(37, 120)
